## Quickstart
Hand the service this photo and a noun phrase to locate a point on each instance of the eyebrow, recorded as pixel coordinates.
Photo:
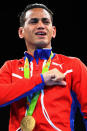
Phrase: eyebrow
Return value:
(33, 19)
(39, 19)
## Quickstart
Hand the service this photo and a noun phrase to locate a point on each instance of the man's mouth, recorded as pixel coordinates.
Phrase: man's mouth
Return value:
(40, 33)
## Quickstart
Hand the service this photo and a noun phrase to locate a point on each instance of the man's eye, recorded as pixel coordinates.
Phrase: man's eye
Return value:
(33, 21)
(46, 21)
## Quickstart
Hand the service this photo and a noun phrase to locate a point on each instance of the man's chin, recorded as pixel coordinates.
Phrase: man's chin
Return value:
(41, 44)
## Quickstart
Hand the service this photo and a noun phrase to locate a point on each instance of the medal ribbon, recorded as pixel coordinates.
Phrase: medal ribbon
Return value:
(32, 104)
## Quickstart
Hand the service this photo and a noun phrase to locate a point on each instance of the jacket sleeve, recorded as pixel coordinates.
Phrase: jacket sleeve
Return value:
(13, 91)
(79, 86)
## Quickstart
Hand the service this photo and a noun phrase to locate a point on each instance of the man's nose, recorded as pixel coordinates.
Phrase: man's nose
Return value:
(40, 25)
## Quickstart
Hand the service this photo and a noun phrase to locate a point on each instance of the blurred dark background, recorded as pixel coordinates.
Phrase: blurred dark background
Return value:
(70, 21)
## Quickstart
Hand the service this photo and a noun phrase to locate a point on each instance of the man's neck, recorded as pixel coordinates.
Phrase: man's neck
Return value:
(31, 50)
(32, 47)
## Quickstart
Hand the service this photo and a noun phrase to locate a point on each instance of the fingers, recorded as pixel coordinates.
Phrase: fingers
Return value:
(54, 77)
(62, 83)
(59, 80)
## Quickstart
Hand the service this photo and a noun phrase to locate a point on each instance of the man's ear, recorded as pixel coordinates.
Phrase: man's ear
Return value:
(21, 32)
(54, 32)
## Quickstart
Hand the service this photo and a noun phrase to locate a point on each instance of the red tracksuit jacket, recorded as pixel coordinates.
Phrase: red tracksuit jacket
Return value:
(56, 105)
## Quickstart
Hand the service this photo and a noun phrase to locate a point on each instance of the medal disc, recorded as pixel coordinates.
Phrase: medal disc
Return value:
(27, 123)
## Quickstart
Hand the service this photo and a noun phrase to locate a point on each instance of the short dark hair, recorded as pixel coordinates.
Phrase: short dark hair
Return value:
(31, 6)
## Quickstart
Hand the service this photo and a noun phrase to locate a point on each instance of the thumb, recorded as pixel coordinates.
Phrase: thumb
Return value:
(62, 83)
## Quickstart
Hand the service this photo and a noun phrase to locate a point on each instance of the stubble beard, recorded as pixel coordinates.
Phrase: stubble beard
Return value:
(41, 44)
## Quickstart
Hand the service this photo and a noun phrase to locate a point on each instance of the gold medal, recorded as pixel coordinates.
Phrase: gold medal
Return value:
(27, 123)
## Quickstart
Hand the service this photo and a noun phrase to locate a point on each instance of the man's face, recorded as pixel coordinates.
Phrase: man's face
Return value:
(38, 30)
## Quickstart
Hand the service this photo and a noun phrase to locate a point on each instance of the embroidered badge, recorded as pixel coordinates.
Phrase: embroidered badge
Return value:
(21, 68)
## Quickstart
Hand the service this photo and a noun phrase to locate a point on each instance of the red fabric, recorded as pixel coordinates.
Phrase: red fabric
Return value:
(57, 99)
(12, 87)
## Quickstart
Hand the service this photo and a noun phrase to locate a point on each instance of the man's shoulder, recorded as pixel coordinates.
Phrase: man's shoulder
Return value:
(68, 61)
(21, 60)
(65, 58)
(14, 62)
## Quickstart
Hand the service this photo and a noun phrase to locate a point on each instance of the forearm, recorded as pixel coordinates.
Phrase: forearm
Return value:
(19, 89)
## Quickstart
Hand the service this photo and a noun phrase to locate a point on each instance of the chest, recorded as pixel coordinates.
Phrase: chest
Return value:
(55, 92)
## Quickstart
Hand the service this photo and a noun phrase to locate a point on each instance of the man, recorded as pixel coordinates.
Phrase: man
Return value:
(43, 88)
